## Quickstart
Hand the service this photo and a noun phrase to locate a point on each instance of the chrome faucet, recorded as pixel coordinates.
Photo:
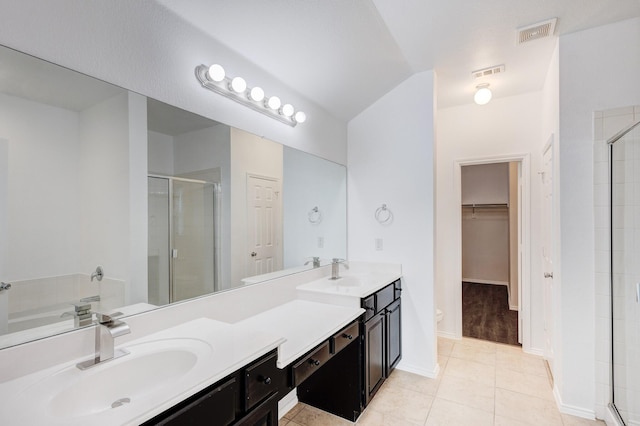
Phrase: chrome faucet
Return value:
(81, 314)
(335, 268)
(315, 260)
(107, 329)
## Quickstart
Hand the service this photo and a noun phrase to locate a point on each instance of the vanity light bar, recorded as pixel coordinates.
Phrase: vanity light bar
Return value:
(214, 79)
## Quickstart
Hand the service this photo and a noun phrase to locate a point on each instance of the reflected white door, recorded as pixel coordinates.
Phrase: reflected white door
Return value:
(547, 249)
(264, 225)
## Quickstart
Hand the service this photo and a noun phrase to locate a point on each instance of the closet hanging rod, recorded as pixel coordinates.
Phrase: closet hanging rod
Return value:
(490, 206)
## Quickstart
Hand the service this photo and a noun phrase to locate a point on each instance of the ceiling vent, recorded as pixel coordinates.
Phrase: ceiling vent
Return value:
(536, 31)
(488, 72)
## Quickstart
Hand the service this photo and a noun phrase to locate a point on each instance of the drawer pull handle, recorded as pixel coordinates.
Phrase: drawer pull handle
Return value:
(347, 336)
(314, 362)
(267, 381)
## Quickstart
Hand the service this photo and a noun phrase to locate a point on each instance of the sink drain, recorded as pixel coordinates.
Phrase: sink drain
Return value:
(120, 402)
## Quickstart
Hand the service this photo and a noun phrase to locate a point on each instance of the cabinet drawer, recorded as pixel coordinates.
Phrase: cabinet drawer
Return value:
(385, 297)
(261, 380)
(309, 364)
(341, 339)
(369, 306)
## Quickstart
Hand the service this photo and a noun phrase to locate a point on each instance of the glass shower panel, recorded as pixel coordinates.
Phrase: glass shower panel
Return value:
(193, 239)
(625, 276)
(159, 240)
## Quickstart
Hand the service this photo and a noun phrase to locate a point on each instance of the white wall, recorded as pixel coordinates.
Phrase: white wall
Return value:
(599, 70)
(112, 176)
(160, 150)
(43, 153)
(504, 127)
(313, 182)
(143, 47)
(391, 158)
(485, 183)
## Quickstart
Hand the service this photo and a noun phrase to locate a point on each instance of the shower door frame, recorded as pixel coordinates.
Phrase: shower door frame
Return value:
(170, 179)
(610, 144)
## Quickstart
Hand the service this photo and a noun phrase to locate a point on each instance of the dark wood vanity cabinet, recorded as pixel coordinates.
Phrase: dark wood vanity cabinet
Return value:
(248, 397)
(382, 337)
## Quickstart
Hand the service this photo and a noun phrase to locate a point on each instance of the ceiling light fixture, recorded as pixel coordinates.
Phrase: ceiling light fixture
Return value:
(215, 79)
(483, 94)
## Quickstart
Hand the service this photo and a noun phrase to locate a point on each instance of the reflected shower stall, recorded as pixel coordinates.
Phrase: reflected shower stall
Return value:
(182, 232)
(624, 184)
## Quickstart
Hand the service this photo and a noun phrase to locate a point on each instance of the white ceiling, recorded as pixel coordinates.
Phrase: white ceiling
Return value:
(345, 54)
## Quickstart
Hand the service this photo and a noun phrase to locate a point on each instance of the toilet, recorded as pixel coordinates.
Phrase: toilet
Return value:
(439, 315)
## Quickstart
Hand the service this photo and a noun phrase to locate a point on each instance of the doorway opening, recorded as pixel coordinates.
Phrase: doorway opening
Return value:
(493, 259)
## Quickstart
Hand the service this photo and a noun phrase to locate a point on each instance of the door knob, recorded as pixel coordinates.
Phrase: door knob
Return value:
(548, 274)
(254, 254)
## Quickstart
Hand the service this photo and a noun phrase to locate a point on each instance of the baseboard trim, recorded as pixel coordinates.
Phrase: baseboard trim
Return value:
(533, 351)
(287, 403)
(448, 335)
(572, 409)
(432, 374)
(477, 281)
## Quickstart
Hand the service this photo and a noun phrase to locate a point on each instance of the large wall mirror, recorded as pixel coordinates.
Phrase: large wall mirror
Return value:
(169, 204)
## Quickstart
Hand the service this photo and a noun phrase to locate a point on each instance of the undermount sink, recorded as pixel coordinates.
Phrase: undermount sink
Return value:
(150, 368)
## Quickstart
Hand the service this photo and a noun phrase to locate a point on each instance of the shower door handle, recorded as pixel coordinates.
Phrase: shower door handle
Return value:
(548, 274)
(637, 292)
(174, 253)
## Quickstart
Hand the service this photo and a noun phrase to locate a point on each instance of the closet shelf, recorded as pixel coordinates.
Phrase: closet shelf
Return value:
(488, 206)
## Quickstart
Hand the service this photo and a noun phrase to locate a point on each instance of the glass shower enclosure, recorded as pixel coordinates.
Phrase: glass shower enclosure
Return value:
(624, 181)
(181, 248)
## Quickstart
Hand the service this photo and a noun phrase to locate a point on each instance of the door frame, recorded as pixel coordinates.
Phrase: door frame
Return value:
(524, 227)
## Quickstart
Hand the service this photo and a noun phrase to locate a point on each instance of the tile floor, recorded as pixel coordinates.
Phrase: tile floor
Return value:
(480, 383)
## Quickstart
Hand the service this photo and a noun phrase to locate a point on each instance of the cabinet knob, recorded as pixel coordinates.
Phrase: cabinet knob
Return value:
(267, 381)
(347, 336)
(314, 362)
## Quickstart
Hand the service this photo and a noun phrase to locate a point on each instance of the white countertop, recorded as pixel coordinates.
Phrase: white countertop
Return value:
(303, 324)
(40, 398)
(294, 328)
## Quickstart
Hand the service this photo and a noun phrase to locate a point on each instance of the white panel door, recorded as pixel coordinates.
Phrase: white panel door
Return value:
(264, 224)
(547, 250)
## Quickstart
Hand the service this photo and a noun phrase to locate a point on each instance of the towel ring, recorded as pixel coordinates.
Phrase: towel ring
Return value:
(315, 216)
(383, 214)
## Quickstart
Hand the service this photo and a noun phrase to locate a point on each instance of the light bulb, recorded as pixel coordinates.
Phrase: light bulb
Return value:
(300, 117)
(256, 94)
(238, 85)
(274, 102)
(483, 95)
(287, 110)
(216, 73)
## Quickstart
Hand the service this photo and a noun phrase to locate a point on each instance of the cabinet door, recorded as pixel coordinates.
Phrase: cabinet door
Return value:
(394, 337)
(265, 414)
(216, 407)
(375, 350)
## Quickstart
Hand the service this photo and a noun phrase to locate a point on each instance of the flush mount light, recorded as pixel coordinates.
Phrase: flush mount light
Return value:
(483, 94)
(215, 79)
(287, 110)
(256, 94)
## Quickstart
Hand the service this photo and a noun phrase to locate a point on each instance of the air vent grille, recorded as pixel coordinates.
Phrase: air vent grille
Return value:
(536, 31)
(487, 72)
